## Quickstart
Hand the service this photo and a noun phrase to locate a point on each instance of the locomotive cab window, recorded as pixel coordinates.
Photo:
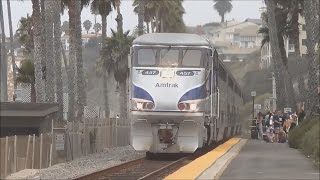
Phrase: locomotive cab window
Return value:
(147, 57)
(191, 58)
(169, 57)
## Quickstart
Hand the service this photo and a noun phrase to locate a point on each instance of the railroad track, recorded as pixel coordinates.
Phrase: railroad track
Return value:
(144, 169)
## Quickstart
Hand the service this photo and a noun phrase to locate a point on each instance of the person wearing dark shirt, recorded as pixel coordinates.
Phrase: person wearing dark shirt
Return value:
(277, 123)
(301, 115)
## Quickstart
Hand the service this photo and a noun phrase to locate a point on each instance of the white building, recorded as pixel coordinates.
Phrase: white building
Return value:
(234, 40)
(85, 39)
(266, 55)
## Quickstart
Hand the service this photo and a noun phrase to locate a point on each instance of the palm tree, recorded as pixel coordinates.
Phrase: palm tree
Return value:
(119, 18)
(75, 58)
(312, 28)
(173, 20)
(265, 33)
(118, 48)
(24, 34)
(57, 57)
(97, 27)
(11, 45)
(4, 75)
(37, 30)
(282, 32)
(26, 75)
(65, 27)
(3, 63)
(50, 75)
(165, 16)
(141, 18)
(282, 98)
(87, 25)
(223, 7)
(103, 7)
(72, 58)
(148, 12)
(81, 90)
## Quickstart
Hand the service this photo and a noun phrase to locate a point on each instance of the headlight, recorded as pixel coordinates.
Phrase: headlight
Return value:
(142, 105)
(139, 105)
(188, 107)
(193, 107)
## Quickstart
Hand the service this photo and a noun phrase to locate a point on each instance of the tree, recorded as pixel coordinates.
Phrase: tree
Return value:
(37, 30)
(49, 63)
(282, 30)
(57, 57)
(13, 60)
(75, 59)
(87, 25)
(26, 75)
(141, 18)
(117, 49)
(81, 87)
(103, 7)
(312, 30)
(282, 98)
(164, 16)
(222, 7)
(65, 27)
(265, 33)
(72, 58)
(135, 32)
(3, 68)
(24, 33)
(97, 27)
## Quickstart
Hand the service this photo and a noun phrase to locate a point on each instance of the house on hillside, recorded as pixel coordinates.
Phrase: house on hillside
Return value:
(234, 40)
(266, 55)
(85, 39)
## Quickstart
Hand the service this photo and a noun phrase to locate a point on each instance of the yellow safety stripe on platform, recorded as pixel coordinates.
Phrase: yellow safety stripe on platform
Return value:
(196, 167)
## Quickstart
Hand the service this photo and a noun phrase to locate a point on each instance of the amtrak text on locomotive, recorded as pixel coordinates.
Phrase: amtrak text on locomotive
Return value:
(169, 85)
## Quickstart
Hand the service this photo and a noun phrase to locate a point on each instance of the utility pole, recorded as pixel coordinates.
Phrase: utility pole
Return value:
(253, 94)
(274, 94)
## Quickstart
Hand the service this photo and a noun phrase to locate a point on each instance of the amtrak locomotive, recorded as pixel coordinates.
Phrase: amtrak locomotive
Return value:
(181, 96)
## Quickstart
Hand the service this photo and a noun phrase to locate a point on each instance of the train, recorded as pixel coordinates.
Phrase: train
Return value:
(181, 96)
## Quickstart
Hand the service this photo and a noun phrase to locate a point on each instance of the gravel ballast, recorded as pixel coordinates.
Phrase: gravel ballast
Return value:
(85, 165)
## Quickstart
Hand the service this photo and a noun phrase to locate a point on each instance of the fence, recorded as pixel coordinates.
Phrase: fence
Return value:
(94, 135)
(24, 152)
(36, 152)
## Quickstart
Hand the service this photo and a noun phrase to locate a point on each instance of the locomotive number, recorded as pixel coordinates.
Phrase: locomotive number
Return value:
(185, 73)
(150, 72)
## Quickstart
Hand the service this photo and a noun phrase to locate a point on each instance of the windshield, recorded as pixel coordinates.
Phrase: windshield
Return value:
(169, 57)
(191, 57)
(147, 57)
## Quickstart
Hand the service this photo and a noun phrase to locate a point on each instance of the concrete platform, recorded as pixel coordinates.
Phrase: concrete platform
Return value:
(260, 160)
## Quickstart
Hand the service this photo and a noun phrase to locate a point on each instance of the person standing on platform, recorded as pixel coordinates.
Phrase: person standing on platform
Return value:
(294, 121)
(260, 119)
(277, 124)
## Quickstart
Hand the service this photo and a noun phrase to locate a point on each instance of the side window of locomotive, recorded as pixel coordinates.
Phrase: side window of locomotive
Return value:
(147, 57)
(169, 57)
(191, 58)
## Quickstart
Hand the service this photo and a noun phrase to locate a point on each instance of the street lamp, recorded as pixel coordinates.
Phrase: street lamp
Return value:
(253, 94)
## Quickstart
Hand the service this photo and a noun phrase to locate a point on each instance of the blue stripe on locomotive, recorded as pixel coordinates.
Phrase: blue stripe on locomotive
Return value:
(196, 93)
(141, 94)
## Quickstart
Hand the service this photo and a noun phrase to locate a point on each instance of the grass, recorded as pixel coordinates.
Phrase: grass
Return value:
(306, 137)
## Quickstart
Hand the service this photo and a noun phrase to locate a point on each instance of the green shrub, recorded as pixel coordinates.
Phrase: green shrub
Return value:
(297, 134)
(310, 143)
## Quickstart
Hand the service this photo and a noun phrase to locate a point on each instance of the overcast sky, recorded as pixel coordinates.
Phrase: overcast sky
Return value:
(198, 12)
